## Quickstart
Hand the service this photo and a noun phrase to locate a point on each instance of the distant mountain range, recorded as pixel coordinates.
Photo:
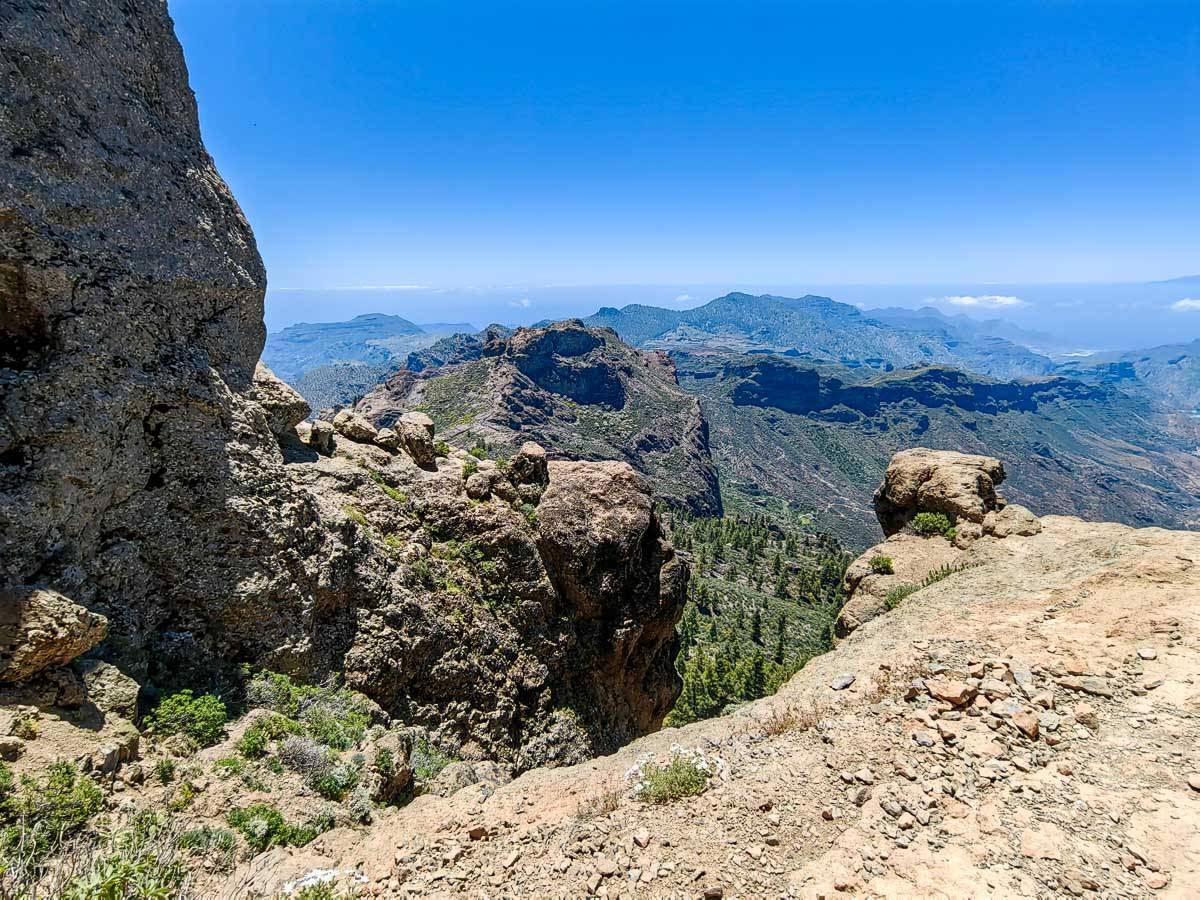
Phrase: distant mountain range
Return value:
(781, 405)
(822, 330)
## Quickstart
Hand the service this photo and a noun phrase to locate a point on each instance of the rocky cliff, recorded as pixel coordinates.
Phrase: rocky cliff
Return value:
(1022, 727)
(581, 391)
(153, 480)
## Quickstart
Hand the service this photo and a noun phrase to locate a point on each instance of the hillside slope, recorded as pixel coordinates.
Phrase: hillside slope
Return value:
(1047, 747)
(820, 437)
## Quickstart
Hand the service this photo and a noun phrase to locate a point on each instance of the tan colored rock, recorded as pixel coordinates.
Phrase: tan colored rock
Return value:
(281, 403)
(416, 437)
(1013, 519)
(529, 466)
(388, 439)
(321, 437)
(949, 690)
(353, 426)
(110, 689)
(42, 629)
(959, 485)
(913, 558)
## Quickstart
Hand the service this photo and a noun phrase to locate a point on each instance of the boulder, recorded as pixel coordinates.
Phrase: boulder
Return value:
(1012, 519)
(108, 688)
(529, 465)
(41, 629)
(282, 405)
(416, 436)
(961, 486)
(913, 558)
(388, 439)
(321, 437)
(353, 426)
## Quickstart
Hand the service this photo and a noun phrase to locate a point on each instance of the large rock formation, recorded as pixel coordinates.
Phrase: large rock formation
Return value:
(960, 487)
(150, 475)
(580, 391)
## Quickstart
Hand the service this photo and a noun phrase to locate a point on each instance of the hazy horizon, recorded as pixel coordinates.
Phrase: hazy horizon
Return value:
(1096, 317)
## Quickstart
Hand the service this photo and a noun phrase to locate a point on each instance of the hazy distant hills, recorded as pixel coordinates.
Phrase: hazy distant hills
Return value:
(820, 437)
(335, 363)
(823, 330)
(1170, 373)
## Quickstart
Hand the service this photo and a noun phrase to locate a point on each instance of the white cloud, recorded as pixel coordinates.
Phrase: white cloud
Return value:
(358, 287)
(1187, 304)
(683, 298)
(523, 303)
(991, 301)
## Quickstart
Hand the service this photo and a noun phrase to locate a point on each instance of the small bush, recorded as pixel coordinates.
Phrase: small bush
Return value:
(881, 565)
(164, 770)
(305, 756)
(256, 739)
(41, 814)
(680, 778)
(263, 826)
(200, 718)
(334, 724)
(478, 452)
(332, 716)
(441, 448)
(338, 781)
(26, 728)
(427, 761)
(899, 594)
(470, 467)
(208, 839)
(931, 523)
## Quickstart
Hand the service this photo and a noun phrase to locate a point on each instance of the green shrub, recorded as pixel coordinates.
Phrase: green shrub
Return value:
(263, 826)
(881, 565)
(338, 781)
(680, 778)
(41, 814)
(478, 452)
(441, 448)
(931, 523)
(136, 860)
(200, 718)
(898, 594)
(427, 761)
(8, 784)
(208, 839)
(256, 739)
(164, 770)
(335, 724)
(470, 467)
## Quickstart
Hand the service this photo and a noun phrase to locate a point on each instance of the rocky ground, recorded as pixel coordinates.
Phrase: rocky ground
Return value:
(1025, 727)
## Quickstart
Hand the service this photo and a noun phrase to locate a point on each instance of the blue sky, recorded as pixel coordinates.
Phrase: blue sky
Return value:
(470, 144)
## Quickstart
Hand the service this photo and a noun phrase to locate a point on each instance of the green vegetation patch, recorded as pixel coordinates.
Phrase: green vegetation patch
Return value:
(263, 826)
(929, 524)
(682, 777)
(200, 718)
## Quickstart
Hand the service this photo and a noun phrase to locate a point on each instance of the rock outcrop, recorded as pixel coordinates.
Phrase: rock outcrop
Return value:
(41, 629)
(1023, 728)
(960, 487)
(581, 392)
(158, 476)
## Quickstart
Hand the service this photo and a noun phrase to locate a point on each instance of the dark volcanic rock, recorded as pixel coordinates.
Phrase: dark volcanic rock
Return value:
(149, 477)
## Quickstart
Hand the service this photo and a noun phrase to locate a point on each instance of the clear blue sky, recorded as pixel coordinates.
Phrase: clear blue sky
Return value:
(533, 143)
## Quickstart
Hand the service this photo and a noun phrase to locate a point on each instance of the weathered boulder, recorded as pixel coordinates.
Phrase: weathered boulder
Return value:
(416, 436)
(355, 427)
(281, 403)
(614, 565)
(912, 557)
(388, 439)
(41, 629)
(528, 465)
(1013, 519)
(321, 437)
(959, 485)
(110, 689)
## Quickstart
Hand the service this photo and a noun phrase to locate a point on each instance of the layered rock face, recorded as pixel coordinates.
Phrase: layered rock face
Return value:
(151, 476)
(580, 391)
